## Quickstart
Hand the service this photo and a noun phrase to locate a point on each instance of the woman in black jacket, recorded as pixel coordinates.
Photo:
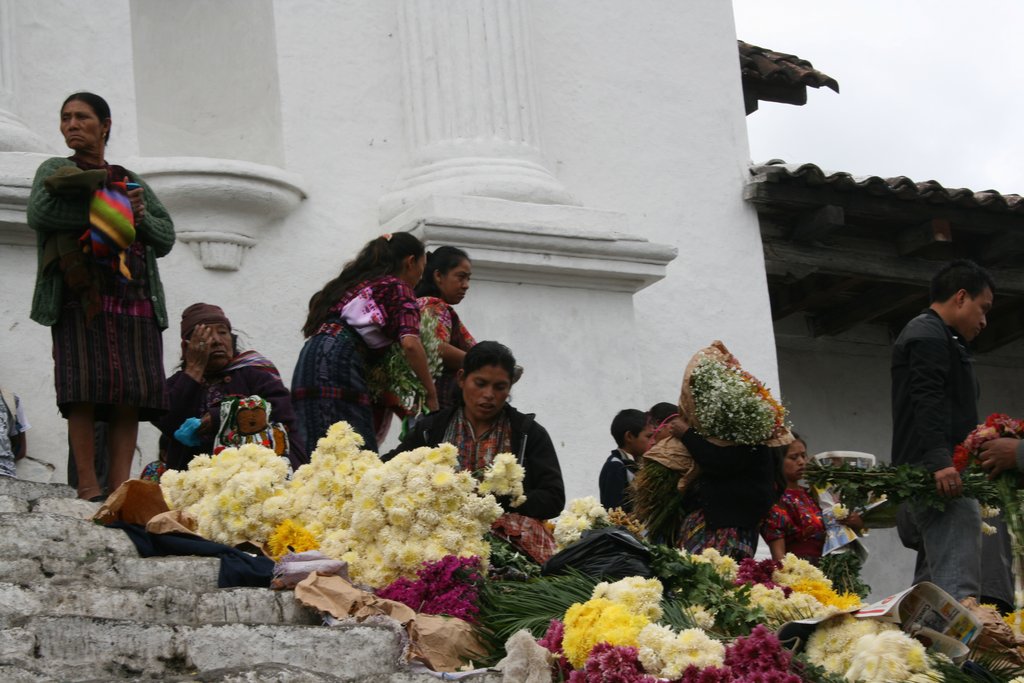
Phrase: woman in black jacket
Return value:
(483, 425)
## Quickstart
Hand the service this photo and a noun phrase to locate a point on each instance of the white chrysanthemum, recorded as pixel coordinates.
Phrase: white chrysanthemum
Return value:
(230, 494)
(840, 511)
(724, 565)
(504, 477)
(887, 656)
(831, 644)
(667, 654)
(638, 595)
(795, 569)
(580, 515)
(988, 511)
(987, 529)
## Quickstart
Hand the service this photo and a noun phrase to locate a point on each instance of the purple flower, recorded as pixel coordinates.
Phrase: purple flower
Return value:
(447, 586)
(552, 641)
(611, 664)
(711, 674)
(759, 658)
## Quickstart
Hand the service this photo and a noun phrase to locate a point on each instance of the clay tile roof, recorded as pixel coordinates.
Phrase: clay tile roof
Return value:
(899, 187)
(762, 65)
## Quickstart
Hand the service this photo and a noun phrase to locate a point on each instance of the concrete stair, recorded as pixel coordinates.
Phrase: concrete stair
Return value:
(77, 603)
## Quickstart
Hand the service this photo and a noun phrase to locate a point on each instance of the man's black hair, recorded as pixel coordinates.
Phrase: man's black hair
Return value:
(628, 421)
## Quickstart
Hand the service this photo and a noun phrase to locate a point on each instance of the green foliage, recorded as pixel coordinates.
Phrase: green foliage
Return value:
(508, 606)
(857, 486)
(508, 563)
(392, 373)
(697, 583)
(657, 502)
(843, 569)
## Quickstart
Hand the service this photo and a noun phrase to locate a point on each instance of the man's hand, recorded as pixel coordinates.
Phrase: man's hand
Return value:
(998, 456)
(947, 482)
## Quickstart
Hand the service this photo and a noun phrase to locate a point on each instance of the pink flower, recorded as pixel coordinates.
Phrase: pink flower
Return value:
(611, 664)
(447, 586)
(759, 658)
(552, 641)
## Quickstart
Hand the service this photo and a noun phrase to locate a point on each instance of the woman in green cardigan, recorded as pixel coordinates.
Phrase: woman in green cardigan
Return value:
(99, 231)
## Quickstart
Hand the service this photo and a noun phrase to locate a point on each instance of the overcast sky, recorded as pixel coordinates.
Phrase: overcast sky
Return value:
(930, 90)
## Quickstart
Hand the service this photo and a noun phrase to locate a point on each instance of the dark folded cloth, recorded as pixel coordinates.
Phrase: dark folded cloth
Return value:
(236, 568)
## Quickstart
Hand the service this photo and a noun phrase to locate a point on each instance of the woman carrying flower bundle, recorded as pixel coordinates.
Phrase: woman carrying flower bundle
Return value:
(444, 284)
(715, 486)
(212, 370)
(483, 425)
(359, 314)
(99, 231)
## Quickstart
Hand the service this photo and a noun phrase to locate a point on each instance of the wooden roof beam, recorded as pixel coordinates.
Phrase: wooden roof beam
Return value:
(772, 195)
(1003, 328)
(1000, 248)
(919, 238)
(881, 264)
(802, 295)
(872, 304)
(817, 224)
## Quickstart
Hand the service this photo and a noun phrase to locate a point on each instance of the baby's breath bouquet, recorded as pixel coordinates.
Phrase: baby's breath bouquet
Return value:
(727, 406)
(730, 404)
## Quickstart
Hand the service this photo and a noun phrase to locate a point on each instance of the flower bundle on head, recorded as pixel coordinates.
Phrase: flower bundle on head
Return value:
(580, 515)
(233, 495)
(504, 477)
(732, 405)
(409, 510)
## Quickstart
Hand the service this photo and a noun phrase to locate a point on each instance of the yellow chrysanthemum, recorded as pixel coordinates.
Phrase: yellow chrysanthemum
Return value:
(598, 621)
(290, 537)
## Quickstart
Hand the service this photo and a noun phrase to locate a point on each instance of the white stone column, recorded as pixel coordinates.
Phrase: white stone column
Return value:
(470, 105)
(15, 136)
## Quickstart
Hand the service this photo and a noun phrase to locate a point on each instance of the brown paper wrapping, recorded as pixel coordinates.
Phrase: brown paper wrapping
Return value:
(342, 600)
(996, 636)
(134, 502)
(172, 522)
(441, 643)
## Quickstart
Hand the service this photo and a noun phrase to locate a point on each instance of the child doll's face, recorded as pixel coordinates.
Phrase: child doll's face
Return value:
(251, 420)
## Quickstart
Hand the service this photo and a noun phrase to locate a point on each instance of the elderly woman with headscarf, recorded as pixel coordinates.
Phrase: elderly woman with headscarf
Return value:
(99, 232)
(214, 370)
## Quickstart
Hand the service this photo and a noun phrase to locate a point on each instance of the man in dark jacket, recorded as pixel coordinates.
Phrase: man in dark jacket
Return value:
(934, 407)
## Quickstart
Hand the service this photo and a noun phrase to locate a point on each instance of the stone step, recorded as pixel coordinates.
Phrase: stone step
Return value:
(21, 671)
(51, 535)
(185, 572)
(84, 648)
(33, 490)
(69, 507)
(157, 605)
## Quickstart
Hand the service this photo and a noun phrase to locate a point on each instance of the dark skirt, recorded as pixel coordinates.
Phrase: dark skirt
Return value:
(115, 360)
(329, 385)
(695, 536)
